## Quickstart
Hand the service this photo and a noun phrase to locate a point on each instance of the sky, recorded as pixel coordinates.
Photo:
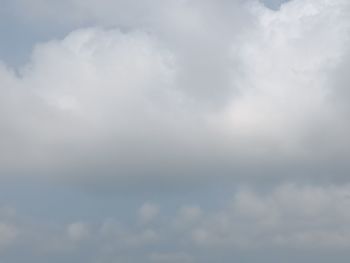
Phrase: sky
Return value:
(163, 131)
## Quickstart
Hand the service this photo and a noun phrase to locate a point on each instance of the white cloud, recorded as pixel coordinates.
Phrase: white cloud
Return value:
(288, 216)
(178, 92)
(148, 212)
(78, 231)
(190, 89)
(132, 104)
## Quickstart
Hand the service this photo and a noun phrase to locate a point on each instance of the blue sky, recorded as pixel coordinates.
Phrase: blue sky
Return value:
(174, 131)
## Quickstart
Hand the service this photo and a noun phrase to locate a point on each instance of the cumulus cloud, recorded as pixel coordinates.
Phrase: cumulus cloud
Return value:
(286, 216)
(182, 92)
(217, 99)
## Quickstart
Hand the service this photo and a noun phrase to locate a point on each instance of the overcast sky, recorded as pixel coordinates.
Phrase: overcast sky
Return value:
(174, 131)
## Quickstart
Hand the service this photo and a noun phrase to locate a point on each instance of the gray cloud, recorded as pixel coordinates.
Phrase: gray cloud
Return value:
(165, 100)
(288, 217)
(207, 100)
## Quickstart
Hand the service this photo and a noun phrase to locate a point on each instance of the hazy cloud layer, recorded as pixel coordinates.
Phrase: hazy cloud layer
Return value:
(176, 98)
(288, 217)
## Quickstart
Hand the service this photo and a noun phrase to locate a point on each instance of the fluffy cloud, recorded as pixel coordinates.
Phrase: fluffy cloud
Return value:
(220, 94)
(213, 99)
(286, 216)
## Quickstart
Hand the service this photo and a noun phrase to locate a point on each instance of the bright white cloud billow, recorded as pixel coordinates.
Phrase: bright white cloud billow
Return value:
(104, 100)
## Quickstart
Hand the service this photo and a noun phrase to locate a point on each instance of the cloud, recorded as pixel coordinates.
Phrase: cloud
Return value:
(188, 104)
(148, 212)
(307, 217)
(103, 103)
(78, 231)
(187, 216)
(170, 257)
(8, 234)
(287, 217)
